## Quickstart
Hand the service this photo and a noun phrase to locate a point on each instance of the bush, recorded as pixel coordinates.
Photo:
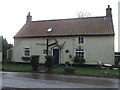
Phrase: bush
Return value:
(49, 60)
(69, 70)
(116, 62)
(67, 63)
(34, 62)
(25, 58)
(77, 59)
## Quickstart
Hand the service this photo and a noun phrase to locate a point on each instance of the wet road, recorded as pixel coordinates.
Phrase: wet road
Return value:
(40, 80)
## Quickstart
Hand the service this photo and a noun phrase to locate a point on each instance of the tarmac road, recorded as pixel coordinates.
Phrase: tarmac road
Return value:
(40, 80)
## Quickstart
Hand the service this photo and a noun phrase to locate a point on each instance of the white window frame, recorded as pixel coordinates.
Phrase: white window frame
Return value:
(25, 49)
(80, 40)
(79, 51)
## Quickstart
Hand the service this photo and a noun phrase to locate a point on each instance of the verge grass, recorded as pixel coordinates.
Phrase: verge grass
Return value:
(18, 67)
(97, 72)
(79, 71)
(90, 71)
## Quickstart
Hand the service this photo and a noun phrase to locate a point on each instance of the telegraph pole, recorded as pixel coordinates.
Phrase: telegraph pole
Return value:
(47, 47)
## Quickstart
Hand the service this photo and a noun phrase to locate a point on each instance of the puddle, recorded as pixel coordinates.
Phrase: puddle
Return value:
(70, 79)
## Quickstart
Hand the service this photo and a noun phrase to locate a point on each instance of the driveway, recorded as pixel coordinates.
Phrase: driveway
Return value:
(40, 80)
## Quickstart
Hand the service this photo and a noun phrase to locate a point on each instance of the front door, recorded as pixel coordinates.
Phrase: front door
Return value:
(56, 56)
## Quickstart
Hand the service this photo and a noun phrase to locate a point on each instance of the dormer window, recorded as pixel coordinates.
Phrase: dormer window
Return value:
(80, 40)
(49, 30)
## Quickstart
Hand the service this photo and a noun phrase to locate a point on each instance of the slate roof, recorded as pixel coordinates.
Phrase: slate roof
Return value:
(68, 27)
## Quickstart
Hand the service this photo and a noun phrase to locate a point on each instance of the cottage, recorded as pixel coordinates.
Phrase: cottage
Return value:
(91, 38)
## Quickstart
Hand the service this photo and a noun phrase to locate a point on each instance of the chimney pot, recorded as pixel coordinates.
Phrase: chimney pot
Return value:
(29, 18)
(108, 12)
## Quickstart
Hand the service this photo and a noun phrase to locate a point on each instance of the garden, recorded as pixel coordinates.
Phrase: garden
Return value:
(66, 69)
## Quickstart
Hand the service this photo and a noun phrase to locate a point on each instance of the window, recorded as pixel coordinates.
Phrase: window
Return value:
(45, 51)
(26, 52)
(79, 52)
(80, 40)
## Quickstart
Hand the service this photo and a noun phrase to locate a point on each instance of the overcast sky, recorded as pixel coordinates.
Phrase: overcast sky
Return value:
(13, 12)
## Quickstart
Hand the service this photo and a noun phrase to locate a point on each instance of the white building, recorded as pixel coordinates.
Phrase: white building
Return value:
(91, 38)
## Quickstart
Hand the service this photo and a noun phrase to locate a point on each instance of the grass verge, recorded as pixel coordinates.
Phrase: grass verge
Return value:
(18, 67)
(79, 71)
(89, 71)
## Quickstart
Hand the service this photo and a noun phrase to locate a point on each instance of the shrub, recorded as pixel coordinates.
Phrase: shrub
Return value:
(25, 58)
(34, 62)
(69, 70)
(49, 60)
(67, 63)
(77, 59)
(116, 62)
(82, 60)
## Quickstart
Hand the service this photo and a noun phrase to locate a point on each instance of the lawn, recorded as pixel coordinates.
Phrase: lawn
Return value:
(79, 71)
(97, 72)
(18, 67)
(89, 71)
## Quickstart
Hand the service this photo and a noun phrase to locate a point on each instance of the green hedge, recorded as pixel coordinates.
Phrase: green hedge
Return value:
(77, 59)
(34, 62)
(25, 58)
(49, 60)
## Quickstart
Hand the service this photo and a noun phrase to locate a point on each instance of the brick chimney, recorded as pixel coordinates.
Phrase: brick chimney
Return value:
(29, 18)
(108, 12)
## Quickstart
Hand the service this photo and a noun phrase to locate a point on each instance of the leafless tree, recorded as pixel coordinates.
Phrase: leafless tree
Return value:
(83, 14)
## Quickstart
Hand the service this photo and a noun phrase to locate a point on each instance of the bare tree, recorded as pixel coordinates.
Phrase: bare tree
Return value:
(83, 14)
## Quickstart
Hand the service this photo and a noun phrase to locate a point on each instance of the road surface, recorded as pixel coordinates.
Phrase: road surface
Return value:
(40, 80)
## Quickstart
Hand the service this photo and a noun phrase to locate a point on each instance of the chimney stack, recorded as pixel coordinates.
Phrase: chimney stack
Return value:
(29, 18)
(109, 12)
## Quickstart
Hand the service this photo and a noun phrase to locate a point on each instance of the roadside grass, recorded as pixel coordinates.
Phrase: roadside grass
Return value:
(18, 67)
(97, 72)
(79, 71)
(90, 71)
(58, 70)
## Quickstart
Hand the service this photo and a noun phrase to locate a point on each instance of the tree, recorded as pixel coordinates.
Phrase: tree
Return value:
(5, 47)
(83, 14)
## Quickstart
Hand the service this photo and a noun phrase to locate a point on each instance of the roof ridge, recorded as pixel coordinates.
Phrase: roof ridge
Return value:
(68, 19)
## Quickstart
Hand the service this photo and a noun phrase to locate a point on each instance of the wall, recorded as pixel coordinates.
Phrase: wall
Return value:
(97, 48)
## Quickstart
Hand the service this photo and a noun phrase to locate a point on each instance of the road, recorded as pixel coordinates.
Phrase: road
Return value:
(40, 80)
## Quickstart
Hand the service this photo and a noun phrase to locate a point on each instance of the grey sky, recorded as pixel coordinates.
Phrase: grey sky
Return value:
(13, 12)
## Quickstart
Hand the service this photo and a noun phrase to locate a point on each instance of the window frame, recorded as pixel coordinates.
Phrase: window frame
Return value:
(80, 51)
(80, 40)
(27, 50)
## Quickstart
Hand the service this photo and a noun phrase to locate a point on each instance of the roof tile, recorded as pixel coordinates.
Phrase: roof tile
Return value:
(68, 27)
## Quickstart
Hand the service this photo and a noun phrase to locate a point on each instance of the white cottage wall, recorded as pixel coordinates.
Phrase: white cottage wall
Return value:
(97, 48)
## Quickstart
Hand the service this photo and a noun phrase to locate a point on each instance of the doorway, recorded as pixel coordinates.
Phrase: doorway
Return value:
(56, 54)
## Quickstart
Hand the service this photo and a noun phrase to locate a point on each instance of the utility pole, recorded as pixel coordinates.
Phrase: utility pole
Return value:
(47, 47)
